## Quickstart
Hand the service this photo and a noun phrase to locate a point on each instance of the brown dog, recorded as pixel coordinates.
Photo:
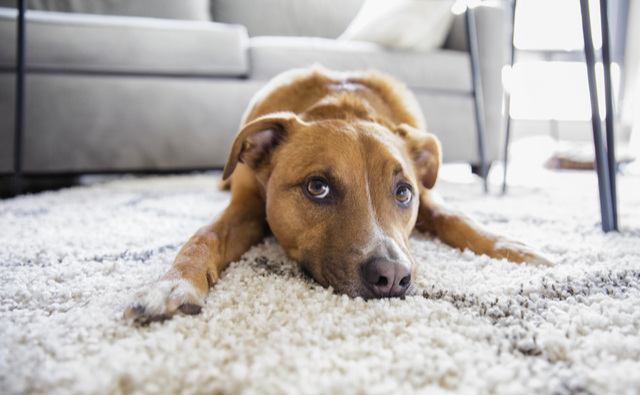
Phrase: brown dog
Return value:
(338, 166)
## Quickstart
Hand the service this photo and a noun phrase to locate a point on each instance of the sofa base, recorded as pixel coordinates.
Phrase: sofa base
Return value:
(105, 123)
(90, 123)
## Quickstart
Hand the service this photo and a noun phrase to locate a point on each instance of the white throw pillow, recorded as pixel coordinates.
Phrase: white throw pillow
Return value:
(418, 25)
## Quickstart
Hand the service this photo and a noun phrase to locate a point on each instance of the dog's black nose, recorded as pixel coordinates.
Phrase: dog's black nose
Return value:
(386, 278)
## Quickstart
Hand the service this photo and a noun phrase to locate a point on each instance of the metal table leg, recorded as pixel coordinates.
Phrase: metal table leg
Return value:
(610, 117)
(602, 165)
(479, 98)
(508, 100)
(19, 105)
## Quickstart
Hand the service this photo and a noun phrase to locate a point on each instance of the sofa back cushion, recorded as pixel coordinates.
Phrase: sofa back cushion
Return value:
(169, 9)
(312, 18)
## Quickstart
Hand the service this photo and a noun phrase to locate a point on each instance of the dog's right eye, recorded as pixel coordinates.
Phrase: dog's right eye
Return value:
(317, 188)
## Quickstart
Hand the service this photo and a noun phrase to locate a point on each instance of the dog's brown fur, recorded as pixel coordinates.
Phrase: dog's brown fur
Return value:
(362, 133)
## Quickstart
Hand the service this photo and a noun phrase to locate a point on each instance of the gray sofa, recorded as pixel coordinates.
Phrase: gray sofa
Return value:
(106, 92)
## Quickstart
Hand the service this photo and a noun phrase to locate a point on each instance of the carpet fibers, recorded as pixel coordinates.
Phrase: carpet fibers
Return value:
(71, 260)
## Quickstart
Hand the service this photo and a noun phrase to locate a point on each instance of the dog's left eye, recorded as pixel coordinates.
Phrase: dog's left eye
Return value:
(404, 194)
(317, 188)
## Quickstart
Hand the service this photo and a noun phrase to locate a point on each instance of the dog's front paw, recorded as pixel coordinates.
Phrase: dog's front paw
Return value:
(518, 252)
(164, 299)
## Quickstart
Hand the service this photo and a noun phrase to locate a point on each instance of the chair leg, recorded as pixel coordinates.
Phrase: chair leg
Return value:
(506, 148)
(479, 98)
(610, 117)
(508, 101)
(19, 105)
(606, 207)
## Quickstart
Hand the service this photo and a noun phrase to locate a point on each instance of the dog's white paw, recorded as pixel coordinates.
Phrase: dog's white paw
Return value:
(164, 299)
(518, 252)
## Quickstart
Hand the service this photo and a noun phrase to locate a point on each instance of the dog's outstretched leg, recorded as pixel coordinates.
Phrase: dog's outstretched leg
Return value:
(459, 230)
(201, 260)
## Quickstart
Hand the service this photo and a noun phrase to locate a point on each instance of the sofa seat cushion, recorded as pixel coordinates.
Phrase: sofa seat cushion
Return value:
(436, 70)
(112, 44)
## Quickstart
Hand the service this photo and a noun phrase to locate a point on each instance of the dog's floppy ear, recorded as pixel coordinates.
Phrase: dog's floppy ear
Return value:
(425, 150)
(254, 144)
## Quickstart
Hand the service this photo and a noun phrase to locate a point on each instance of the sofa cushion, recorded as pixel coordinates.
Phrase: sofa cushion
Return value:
(313, 18)
(437, 70)
(407, 24)
(196, 10)
(111, 44)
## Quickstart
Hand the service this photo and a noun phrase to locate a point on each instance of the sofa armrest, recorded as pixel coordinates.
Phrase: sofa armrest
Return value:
(192, 10)
(70, 42)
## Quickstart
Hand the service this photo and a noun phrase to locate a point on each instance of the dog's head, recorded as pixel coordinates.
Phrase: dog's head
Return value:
(341, 197)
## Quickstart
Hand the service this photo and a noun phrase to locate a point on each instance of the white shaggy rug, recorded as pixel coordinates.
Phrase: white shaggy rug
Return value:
(71, 260)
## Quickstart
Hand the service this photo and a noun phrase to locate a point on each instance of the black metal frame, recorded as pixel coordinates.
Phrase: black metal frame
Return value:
(610, 117)
(507, 99)
(606, 165)
(477, 92)
(605, 154)
(19, 104)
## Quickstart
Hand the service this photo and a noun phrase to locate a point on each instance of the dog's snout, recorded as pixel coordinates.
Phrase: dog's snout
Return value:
(387, 278)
